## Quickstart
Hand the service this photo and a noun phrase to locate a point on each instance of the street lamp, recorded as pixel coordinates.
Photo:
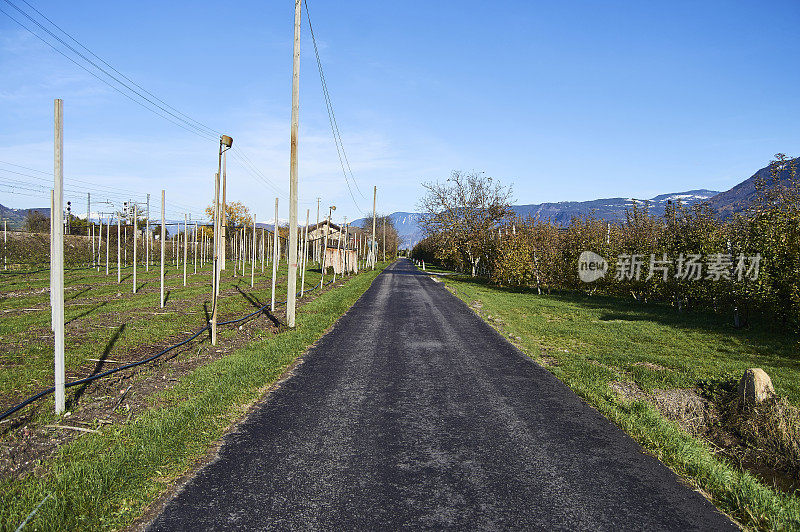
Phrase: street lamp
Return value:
(225, 143)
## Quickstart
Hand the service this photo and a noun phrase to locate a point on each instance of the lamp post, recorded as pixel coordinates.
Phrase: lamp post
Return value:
(225, 143)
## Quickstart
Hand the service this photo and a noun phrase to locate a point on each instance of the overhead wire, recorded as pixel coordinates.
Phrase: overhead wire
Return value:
(165, 111)
(148, 100)
(331, 115)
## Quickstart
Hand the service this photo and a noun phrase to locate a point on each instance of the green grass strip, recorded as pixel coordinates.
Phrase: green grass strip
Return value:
(593, 341)
(105, 481)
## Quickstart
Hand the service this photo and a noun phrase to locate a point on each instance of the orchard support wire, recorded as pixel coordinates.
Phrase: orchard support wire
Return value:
(97, 376)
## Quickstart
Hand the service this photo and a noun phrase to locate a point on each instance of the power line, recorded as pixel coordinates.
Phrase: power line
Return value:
(337, 139)
(207, 128)
(194, 127)
(165, 111)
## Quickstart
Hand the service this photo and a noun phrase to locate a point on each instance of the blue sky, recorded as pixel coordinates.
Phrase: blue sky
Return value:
(562, 100)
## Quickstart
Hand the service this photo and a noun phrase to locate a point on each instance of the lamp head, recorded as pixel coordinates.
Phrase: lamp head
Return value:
(226, 141)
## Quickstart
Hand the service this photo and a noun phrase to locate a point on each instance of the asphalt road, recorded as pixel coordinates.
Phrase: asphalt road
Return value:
(414, 413)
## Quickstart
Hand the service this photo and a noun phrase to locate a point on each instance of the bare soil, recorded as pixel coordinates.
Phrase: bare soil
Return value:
(26, 443)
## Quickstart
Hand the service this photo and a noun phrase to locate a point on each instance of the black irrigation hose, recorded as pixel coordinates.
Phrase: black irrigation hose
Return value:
(91, 378)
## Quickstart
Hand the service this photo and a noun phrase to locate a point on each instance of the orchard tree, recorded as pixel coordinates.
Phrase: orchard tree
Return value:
(463, 214)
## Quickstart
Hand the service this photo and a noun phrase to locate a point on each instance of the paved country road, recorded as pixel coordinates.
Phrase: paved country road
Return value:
(414, 413)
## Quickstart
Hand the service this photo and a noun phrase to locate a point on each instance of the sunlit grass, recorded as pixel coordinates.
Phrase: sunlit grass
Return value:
(104, 481)
(587, 342)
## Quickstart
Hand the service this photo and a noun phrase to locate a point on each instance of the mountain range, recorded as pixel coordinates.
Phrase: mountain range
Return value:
(611, 209)
(724, 204)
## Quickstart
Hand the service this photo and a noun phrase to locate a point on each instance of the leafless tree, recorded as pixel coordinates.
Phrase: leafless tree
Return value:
(462, 214)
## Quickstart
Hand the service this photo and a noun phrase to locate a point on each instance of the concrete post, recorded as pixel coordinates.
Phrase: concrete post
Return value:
(119, 249)
(185, 245)
(108, 242)
(195, 248)
(274, 255)
(163, 246)
(305, 256)
(147, 236)
(135, 241)
(57, 287)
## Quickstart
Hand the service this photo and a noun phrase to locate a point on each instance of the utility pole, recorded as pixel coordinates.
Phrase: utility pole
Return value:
(292, 273)
(274, 255)
(374, 251)
(163, 244)
(57, 286)
(225, 143)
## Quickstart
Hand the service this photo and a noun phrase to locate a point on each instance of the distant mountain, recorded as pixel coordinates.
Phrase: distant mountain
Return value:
(742, 195)
(610, 209)
(16, 217)
(405, 223)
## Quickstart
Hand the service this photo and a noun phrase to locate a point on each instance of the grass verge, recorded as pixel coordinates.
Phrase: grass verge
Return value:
(104, 481)
(592, 342)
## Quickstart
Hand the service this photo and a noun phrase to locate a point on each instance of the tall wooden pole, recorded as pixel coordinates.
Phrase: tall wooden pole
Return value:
(135, 240)
(57, 287)
(163, 245)
(274, 255)
(292, 277)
